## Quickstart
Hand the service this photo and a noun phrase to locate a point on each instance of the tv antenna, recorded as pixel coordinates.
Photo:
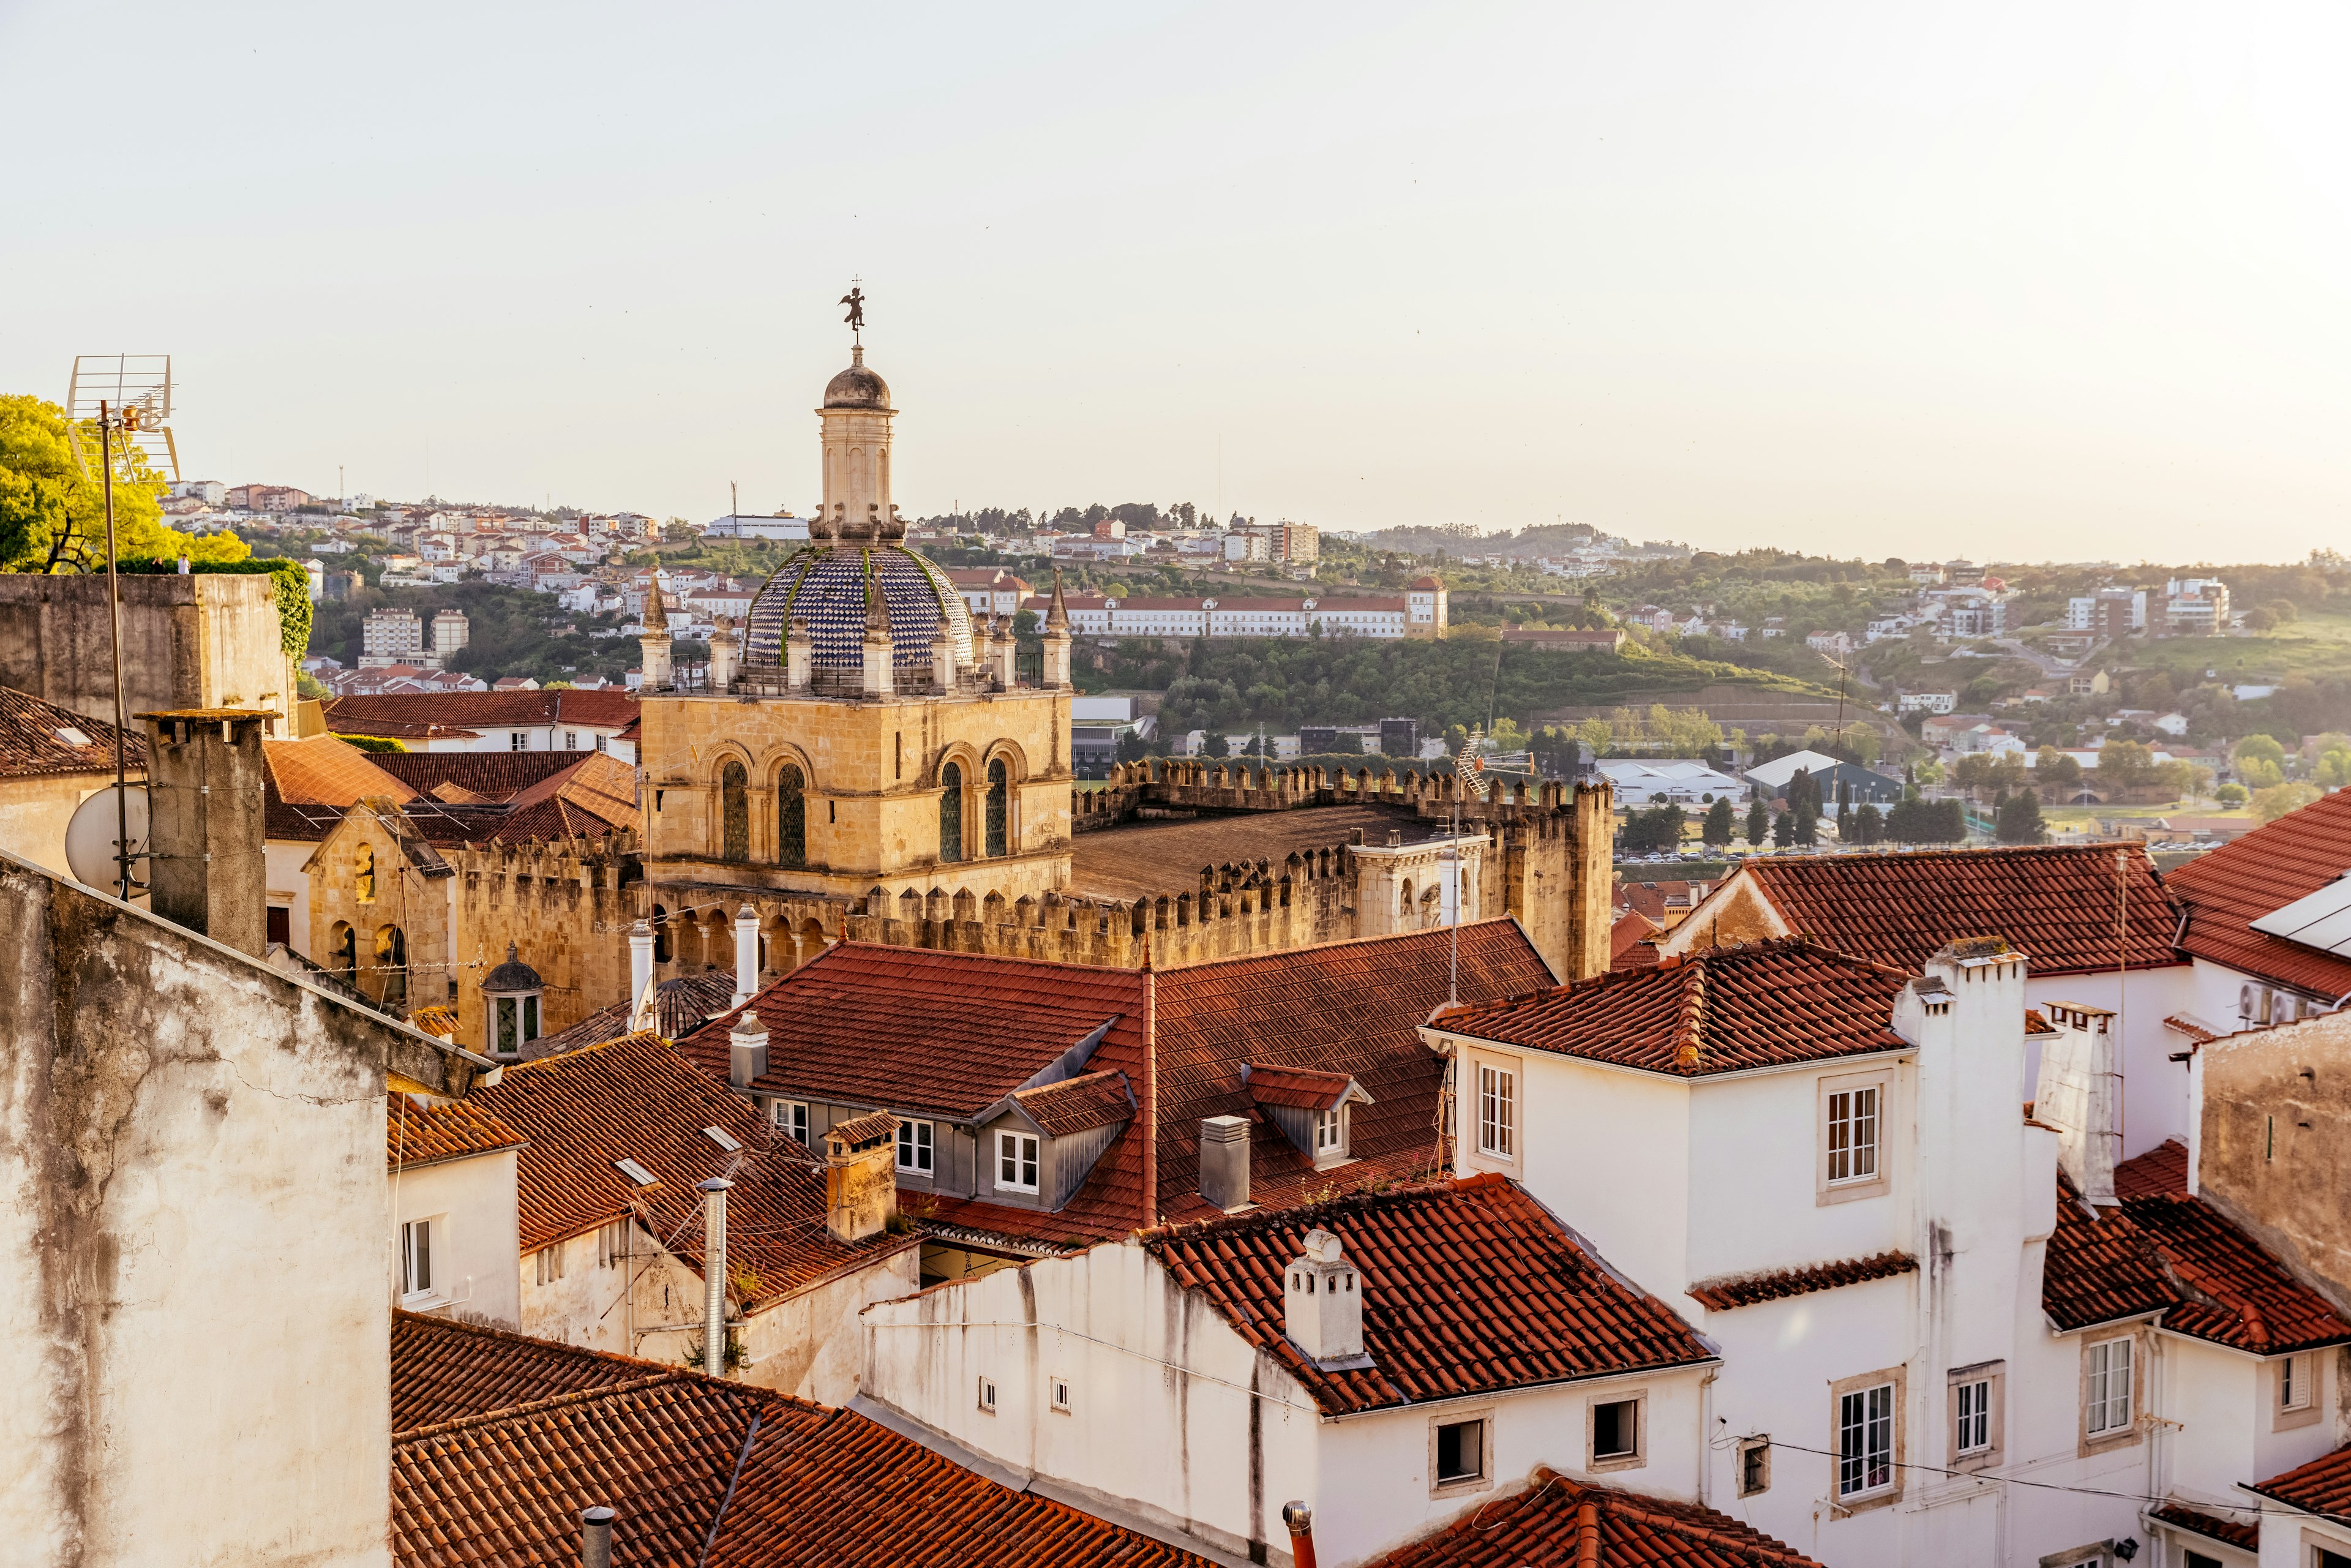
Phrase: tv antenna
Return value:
(135, 389)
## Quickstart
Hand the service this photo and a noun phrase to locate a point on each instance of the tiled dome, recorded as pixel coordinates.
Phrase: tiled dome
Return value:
(825, 584)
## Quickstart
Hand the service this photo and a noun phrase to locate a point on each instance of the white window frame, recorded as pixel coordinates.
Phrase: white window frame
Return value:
(2109, 1384)
(1022, 1151)
(1757, 1451)
(415, 1245)
(918, 1153)
(518, 740)
(1634, 1458)
(1971, 1416)
(1331, 1133)
(1496, 1108)
(1057, 1394)
(2298, 1379)
(1482, 1478)
(1852, 1107)
(1871, 1404)
(790, 1117)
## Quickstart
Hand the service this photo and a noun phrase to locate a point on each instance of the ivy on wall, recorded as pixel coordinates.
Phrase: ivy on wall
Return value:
(293, 586)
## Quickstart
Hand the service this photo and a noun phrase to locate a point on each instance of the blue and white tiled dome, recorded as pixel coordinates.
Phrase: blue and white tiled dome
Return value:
(825, 584)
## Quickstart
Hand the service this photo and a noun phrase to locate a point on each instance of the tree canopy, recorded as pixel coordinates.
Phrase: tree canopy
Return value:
(44, 494)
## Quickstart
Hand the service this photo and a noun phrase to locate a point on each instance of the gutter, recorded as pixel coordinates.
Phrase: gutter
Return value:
(1809, 1065)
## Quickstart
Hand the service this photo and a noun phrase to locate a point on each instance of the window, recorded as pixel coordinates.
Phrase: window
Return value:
(1975, 1397)
(790, 1117)
(1057, 1390)
(570, 740)
(1754, 1466)
(1615, 1433)
(914, 1147)
(1460, 1452)
(612, 1244)
(1971, 1414)
(363, 874)
(950, 813)
(733, 812)
(1853, 1135)
(1016, 1162)
(791, 818)
(2295, 1391)
(723, 1138)
(547, 1263)
(1865, 1440)
(2197, 1560)
(1497, 1111)
(415, 1258)
(1330, 1131)
(281, 926)
(1000, 797)
(519, 740)
(516, 1019)
(391, 966)
(2106, 1398)
(600, 742)
(987, 1397)
(2320, 1557)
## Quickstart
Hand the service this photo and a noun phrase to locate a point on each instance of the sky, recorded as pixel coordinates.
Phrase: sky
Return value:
(2016, 282)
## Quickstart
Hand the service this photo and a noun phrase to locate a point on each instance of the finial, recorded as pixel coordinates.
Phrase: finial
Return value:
(855, 300)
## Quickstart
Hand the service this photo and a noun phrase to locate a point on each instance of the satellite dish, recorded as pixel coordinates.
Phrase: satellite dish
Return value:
(89, 840)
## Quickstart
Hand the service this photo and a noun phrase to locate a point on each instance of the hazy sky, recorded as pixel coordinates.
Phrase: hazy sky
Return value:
(2042, 281)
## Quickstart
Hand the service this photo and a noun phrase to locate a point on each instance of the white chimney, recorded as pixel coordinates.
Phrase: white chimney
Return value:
(2077, 1094)
(1322, 1298)
(640, 959)
(747, 955)
(746, 1051)
(714, 1275)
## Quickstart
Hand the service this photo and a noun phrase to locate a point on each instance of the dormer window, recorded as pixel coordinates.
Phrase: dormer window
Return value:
(1331, 1134)
(1313, 1109)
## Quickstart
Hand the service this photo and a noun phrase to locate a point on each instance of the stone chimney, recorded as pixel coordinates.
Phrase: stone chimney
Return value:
(1224, 1162)
(747, 1051)
(1322, 1303)
(2077, 1094)
(944, 662)
(1001, 653)
(206, 868)
(861, 1176)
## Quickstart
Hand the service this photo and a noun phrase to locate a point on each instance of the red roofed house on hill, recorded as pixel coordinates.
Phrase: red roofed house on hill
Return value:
(1393, 1360)
(2097, 932)
(571, 720)
(1823, 1161)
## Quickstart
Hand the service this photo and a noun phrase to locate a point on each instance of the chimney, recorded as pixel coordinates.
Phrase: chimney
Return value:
(1322, 1301)
(596, 1538)
(205, 867)
(746, 1051)
(1224, 1162)
(1300, 1521)
(2075, 1093)
(747, 955)
(714, 1275)
(861, 1176)
(640, 959)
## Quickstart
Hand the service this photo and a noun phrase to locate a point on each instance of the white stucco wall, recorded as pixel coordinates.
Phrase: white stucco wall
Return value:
(471, 1204)
(813, 1343)
(2155, 1098)
(284, 861)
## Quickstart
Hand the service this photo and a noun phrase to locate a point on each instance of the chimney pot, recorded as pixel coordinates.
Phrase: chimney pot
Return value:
(714, 1275)
(1224, 1162)
(747, 955)
(640, 959)
(747, 1051)
(596, 1538)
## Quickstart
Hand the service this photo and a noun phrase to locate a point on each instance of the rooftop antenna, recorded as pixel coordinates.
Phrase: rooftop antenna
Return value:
(131, 385)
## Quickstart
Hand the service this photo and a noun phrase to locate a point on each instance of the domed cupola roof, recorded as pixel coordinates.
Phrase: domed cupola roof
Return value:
(513, 976)
(857, 387)
(825, 585)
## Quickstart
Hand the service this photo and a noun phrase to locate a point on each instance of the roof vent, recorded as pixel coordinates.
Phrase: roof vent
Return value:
(747, 1051)
(635, 1172)
(1322, 1301)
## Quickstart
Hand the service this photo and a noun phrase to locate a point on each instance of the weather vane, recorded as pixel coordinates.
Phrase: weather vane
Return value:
(855, 300)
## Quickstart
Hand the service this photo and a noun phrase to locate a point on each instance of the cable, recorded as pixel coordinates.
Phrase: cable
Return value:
(2017, 1480)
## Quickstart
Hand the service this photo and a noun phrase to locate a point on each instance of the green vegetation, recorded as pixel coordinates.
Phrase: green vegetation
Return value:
(510, 631)
(292, 587)
(54, 514)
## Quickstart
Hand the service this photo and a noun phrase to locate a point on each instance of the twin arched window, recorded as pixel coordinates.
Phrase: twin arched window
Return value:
(950, 813)
(733, 813)
(791, 818)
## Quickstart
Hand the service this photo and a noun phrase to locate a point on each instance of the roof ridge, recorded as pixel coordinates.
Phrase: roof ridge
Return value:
(1692, 1051)
(557, 1401)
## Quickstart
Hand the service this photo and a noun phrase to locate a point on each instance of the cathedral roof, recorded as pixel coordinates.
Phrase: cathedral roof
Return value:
(825, 584)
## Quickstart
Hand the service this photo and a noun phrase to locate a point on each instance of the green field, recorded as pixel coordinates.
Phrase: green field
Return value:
(2318, 644)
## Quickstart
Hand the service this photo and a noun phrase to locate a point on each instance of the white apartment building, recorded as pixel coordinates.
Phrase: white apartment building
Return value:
(392, 637)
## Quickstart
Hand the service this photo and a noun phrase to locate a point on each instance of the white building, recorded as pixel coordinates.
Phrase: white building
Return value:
(392, 637)
(1928, 702)
(740, 527)
(1682, 782)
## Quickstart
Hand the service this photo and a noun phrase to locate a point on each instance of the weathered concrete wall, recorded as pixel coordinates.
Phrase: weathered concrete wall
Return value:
(2273, 1152)
(200, 641)
(193, 1200)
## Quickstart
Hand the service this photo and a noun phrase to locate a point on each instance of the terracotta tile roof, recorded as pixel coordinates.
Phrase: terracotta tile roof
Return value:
(1559, 1523)
(445, 1371)
(2243, 1537)
(2163, 1251)
(1296, 1088)
(2322, 1486)
(596, 794)
(2055, 902)
(36, 738)
(1150, 860)
(504, 1487)
(492, 775)
(636, 1098)
(1080, 1104)
(916, 1030)
(1628, 940)
(423, 1135)
(1469, 1287)
(480, 710)
(2268, 868)
(680, 1006)
(1355, 1008)
(858, 1132)
(1777, 1284)
(1722, 1010)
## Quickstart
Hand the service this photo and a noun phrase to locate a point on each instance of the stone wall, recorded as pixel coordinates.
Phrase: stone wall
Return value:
(205, 641)
(566, 905)
(2273, 1149)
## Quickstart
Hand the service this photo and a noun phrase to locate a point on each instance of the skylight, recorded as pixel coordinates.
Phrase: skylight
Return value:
(635, 1172)
(2320, 920)
(73, 736)
(718, 1135)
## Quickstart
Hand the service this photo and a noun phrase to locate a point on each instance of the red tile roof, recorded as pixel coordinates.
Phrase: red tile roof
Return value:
(1469, 1286)
(636, 1098)
(2054, 902)
(2163, 1251)
(1080, 1104)
(1355, 1008)
(1723, 1010)
(492, 775)
(423, 1135)
(31, 741)
(503, 1486)
(327, 771)
(1628, 940)
(477, 711)
(680, 1007)
(2243, 1537)
(2268, 868)
(1777, 1284)
(445, 1371)
(1559, 1523)
(2321, 1487)
(1298, 1088)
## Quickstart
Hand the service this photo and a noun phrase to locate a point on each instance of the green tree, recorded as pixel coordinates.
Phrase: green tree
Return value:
(43, 493)
(2125, 765)
(2057, 770)
(1868, 825)
(1215, 745)
(1718, 823)
(2018, 821)
(1783, 829)
(1759, 822)
(1657, 831)
(2232, 795)
(2275, 801)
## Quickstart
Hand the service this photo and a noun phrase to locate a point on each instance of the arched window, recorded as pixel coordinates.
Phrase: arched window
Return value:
(791, 818)
(950, 813)
(661, 937)
(733, 813)
(999, 800)
(364, 874)
(391, 966)
(343, 947)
